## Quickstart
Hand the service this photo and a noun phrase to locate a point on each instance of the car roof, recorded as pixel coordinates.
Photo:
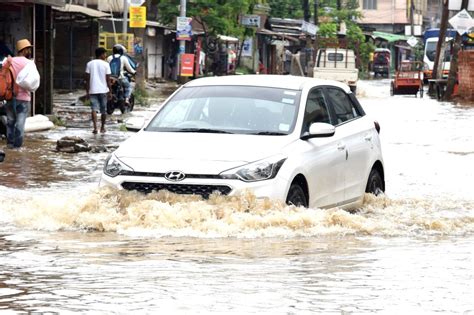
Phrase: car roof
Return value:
(266, 80)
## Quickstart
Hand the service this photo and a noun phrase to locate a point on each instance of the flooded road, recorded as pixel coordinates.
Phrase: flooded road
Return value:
(68, 247)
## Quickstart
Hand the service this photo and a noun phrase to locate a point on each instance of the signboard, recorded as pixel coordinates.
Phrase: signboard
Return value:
(187, 65)
(462, 22)
(412, 41)
(416, 30)
(184, 29)
(250, 20)
(136, 3)
(455, 5)
(309, 28)
(247, 47)
(137, 17)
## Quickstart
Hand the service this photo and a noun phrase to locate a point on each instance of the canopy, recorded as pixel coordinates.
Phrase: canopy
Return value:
(389, 37)
(79, 9)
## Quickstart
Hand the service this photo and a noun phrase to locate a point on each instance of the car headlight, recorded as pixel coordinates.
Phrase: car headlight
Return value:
(256, 171)
(113, 166)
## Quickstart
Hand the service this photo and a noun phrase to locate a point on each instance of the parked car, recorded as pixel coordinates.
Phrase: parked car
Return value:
(337, 64)
(301, 140)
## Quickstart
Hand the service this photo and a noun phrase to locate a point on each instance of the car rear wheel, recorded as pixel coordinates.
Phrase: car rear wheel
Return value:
(296, 196)
(375, 183)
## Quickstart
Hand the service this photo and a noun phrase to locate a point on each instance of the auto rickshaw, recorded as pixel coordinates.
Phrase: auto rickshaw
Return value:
(408, 79)
(381, 63)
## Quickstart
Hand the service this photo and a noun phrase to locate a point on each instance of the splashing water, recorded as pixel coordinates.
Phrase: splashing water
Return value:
(166, 214)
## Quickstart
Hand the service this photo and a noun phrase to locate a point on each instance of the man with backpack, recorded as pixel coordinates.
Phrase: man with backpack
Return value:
(98, 87)
(19, 100)
(119, 65)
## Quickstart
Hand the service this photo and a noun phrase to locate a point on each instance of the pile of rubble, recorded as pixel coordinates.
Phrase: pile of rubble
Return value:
(77, 144)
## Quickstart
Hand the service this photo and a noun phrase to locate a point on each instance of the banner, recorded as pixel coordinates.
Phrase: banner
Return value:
(137, 17)
(183, 28)
(187, 65)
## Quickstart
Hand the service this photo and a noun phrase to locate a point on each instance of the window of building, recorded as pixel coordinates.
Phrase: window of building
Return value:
(369, 4)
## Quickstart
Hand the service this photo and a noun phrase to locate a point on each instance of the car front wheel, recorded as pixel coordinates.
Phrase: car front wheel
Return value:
(296, 196)
(375, 183)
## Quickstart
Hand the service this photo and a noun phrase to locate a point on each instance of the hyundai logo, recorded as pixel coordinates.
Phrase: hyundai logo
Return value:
(175, 176)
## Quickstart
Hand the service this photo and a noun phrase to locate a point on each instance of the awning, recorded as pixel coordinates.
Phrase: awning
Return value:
(58, 3)
(225, 38)
(79, 9)
(389, 37)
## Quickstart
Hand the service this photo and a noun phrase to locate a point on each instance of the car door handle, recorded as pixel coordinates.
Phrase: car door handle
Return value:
(341, 146)
(368, 138)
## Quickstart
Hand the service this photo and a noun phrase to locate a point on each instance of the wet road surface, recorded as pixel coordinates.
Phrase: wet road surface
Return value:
(67, 246)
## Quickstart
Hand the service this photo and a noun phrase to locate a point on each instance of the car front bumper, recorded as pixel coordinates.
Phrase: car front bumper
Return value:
(276, 188)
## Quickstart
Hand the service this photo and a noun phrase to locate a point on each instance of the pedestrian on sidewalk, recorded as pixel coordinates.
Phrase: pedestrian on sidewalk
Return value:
(98, 87)
(18, 108)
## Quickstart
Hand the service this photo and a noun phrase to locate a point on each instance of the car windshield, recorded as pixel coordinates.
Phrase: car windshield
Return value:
(431, 51)
(229, 109)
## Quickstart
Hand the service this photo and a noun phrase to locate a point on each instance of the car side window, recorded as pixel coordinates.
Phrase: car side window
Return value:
(342, 105)
(316, 109)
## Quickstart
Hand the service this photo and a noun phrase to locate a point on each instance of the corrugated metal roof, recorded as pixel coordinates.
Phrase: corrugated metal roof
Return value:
(58, 3)
(79, 9)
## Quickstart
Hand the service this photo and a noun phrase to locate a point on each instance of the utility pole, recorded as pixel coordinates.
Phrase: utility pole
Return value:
(316, 22)
(125, 21)
(437, 70)
(412, 17)
(453, 70)
(182, 43)
(308, 58)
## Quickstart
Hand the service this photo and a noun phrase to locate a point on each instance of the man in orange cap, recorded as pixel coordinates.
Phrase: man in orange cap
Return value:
(18, 108)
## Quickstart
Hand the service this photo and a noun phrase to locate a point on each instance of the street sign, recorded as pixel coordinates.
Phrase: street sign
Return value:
(462, 22)
(412, 41)
(184, 29)
(136, 3)
(309, 28)
(137, 17)
(250, 20)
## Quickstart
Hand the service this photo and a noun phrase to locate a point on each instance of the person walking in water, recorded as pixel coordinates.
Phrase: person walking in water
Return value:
(98, 87)
(18, 108)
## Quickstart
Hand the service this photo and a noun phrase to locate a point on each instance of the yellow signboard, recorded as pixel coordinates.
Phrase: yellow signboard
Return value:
(137, 17)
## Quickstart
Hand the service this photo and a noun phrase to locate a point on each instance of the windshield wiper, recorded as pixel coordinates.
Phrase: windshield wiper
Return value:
(202, 130)
(269, 133)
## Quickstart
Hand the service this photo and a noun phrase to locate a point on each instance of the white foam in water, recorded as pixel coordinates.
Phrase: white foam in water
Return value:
(166, 214)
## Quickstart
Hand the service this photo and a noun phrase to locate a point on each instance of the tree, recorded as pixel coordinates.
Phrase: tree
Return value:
(291, 9)
(214, 16)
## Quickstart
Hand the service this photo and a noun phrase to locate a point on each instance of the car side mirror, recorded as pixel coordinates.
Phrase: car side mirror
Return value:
(135, 123)
(319, 130)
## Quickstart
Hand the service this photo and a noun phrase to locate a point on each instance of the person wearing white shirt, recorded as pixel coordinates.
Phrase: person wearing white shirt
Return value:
(98, 87)
(125, 66)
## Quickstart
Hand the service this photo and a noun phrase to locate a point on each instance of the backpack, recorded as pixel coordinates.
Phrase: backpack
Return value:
(115, 65)
(6, 84)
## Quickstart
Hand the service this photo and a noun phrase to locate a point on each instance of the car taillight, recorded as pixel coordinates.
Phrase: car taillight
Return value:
(377, 126)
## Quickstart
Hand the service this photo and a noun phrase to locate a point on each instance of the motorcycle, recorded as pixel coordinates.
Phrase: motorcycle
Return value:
(118, 98)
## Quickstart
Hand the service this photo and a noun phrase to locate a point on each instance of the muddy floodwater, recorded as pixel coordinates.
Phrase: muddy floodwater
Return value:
(67, 246)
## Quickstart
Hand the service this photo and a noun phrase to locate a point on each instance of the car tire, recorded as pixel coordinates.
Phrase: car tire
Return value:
(296, 196)
(375, 184)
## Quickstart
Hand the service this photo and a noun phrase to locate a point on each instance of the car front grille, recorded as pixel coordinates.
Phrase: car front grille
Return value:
(183, 189)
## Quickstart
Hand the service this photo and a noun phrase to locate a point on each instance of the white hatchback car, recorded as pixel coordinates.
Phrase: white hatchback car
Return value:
(301, 140)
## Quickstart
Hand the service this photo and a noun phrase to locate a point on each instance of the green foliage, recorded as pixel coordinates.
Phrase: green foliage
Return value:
(141, 96)
(356, 41)
(57, 121)
(291, 9)
(328, 30)
(215, 16)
